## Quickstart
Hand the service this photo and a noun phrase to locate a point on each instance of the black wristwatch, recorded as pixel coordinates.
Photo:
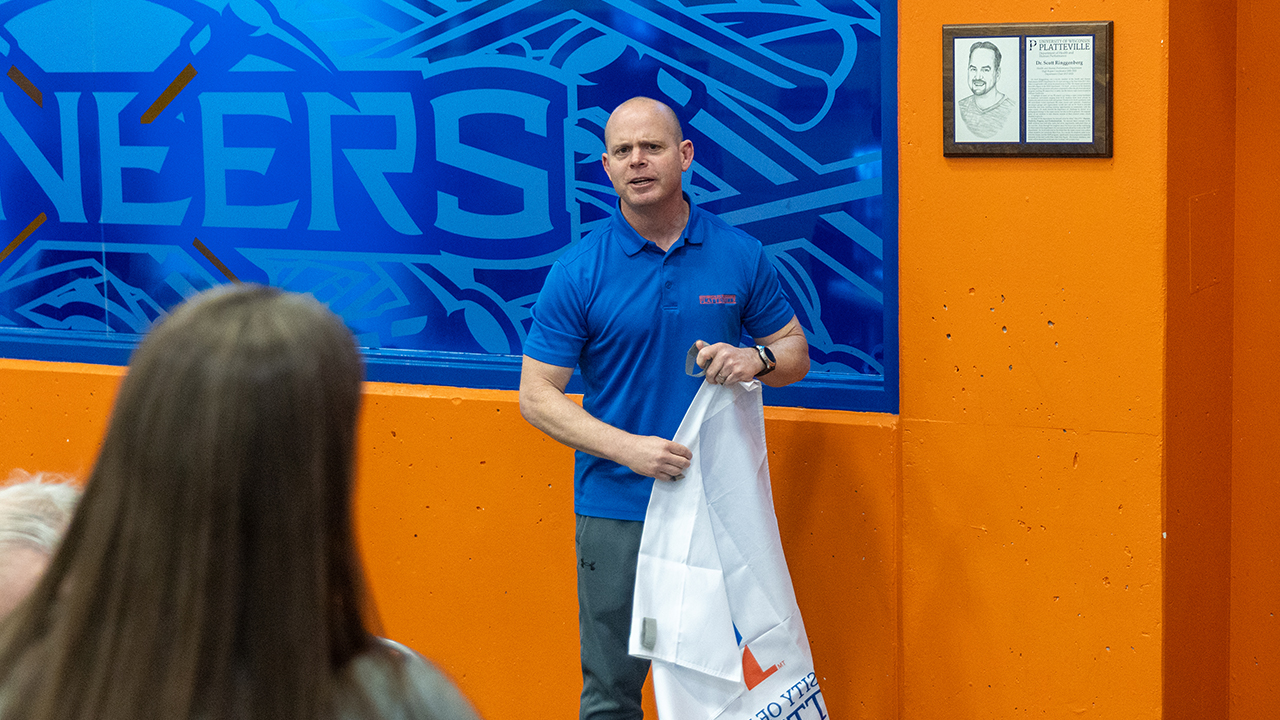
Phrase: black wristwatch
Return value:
(766, 357)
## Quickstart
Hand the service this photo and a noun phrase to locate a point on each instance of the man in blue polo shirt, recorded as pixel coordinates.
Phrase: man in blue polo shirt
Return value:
(624, 305)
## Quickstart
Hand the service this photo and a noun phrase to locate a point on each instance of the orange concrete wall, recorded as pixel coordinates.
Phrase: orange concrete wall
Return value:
(1255, 490)
(465, 513)
(53, 415)
(1201, 170)
(1033, 321)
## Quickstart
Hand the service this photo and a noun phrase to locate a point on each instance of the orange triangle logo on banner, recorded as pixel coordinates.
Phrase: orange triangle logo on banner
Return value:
(751, 671)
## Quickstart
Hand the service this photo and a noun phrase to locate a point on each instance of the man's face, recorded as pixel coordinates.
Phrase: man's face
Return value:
(642, 157)
(983, 73)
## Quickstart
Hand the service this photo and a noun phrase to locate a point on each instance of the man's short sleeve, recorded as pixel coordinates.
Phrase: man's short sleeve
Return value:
(559, 328)
(769, 310)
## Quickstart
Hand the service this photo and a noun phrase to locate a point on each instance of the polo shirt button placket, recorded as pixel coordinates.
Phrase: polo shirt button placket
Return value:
(668, 296)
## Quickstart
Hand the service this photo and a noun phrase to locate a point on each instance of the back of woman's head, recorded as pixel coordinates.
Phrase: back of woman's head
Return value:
(211, 567)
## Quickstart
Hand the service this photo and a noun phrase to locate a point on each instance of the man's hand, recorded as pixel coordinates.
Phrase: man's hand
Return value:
(726, 363)
(655, 457)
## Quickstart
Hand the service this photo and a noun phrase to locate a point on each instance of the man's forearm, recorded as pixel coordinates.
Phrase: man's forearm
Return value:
(555, 414)
(790, 351)
(792, 355)
(546, 407)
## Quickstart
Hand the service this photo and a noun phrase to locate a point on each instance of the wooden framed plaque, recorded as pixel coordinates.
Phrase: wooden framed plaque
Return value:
(1027, 90)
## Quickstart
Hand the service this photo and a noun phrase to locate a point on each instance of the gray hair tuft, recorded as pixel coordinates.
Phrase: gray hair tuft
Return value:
(35, 510)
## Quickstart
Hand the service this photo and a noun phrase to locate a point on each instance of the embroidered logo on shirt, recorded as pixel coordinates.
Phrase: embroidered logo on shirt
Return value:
(718, 299)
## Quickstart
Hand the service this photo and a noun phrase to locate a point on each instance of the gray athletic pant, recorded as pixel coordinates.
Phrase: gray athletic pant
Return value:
(611, 679)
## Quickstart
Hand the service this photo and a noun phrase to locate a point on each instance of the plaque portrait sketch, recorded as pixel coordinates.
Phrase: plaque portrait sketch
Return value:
(987, 80)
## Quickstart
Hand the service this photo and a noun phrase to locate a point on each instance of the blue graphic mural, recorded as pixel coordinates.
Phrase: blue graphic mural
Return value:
(418, 166)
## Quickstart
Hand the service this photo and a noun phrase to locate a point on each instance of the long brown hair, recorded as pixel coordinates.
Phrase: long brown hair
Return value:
(210, 570)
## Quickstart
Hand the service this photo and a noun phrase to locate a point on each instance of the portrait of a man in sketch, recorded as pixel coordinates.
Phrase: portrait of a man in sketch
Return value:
(988, 113)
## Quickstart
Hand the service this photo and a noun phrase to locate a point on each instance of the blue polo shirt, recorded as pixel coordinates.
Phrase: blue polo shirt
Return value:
(625, 313)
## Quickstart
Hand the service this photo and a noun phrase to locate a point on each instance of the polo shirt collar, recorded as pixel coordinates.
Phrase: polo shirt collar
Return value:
(632, 242)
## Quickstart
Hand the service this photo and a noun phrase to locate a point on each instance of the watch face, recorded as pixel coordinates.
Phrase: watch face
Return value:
(766, 357)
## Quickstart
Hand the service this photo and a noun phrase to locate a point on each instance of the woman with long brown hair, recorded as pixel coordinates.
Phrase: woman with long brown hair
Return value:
(211, 571)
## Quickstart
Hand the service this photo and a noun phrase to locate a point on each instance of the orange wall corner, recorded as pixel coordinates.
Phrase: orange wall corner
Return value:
(1255, 465)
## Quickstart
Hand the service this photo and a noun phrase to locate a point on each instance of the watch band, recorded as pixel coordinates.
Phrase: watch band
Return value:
(766, 357)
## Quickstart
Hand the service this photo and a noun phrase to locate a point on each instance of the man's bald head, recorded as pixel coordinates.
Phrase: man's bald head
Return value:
(643, 105)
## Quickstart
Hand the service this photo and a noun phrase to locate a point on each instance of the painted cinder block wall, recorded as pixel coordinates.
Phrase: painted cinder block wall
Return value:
(1198, 359)
(996, 549)
(466, 524)
(1033, 344)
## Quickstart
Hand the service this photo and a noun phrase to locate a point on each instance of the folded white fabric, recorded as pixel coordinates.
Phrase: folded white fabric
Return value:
(714, 606)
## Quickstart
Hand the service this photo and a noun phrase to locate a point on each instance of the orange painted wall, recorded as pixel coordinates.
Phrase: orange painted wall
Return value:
(465, 514)
(53, 415)
(1201, 172)
(1032, 334)
(1255, 490)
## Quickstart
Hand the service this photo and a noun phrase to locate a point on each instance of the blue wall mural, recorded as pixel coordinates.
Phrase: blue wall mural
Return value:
(419, 165)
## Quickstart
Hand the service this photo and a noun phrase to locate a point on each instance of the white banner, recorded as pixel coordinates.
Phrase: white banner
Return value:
(714, 606)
